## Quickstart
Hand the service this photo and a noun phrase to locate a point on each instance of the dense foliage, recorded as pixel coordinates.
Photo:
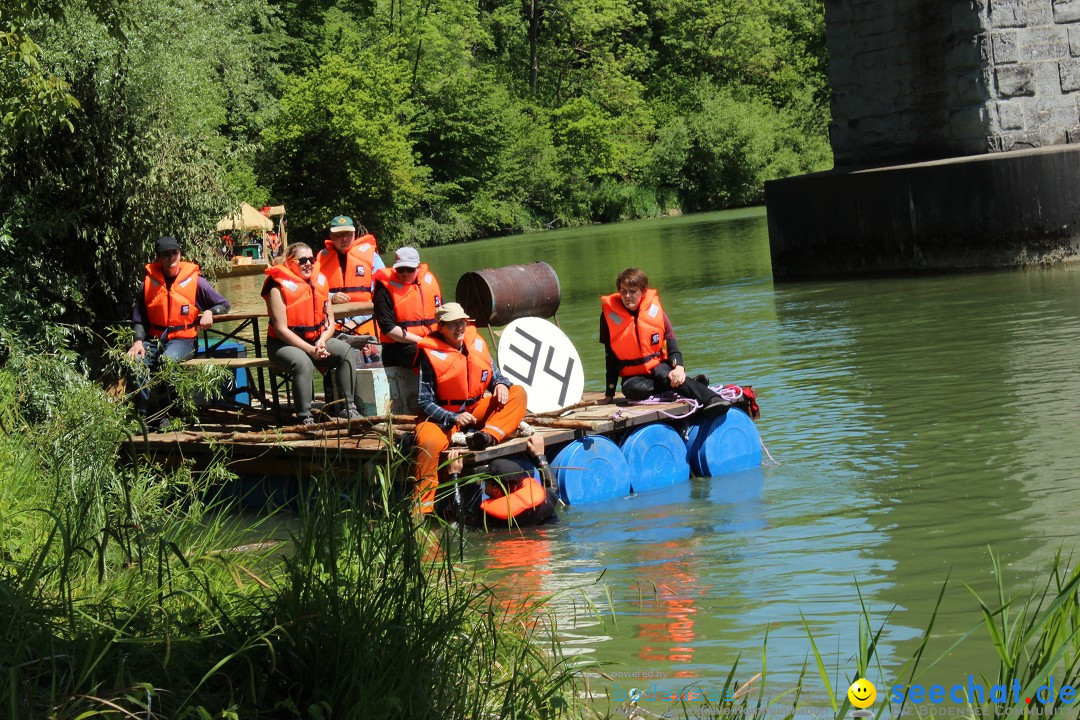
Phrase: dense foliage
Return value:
(429, 122)
(130, 592)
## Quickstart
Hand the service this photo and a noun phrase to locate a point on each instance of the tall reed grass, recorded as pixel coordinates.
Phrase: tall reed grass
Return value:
(127, 591)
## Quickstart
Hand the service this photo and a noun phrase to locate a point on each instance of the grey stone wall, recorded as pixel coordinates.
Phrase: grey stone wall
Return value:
(917, 80)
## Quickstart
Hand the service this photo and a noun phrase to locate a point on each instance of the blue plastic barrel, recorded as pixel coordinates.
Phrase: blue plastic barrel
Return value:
(656, 456)
(591, 470)
(232, 393)
(723, 444)
(693, 445)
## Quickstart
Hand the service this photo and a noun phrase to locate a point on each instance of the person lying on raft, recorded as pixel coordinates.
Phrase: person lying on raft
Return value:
(514, 496)
(640, 346)
(456, 375)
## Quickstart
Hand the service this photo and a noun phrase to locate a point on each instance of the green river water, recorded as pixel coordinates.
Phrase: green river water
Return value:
(917, 424)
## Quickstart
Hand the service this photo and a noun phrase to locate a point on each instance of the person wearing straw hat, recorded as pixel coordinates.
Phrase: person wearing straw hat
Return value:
(461, 389)
(405, 298)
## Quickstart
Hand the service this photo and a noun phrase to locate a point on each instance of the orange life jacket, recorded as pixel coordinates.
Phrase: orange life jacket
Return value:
(355, 278)
(461, 378)
(172, 307)
(637, 340)
(305, 302)
(530, 495)
(414, 304)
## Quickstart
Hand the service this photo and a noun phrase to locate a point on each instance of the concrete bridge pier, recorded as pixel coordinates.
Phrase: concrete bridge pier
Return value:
(952, 134)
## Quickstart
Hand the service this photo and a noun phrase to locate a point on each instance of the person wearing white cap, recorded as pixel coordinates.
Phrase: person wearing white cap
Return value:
(456, 377)
(406, 298)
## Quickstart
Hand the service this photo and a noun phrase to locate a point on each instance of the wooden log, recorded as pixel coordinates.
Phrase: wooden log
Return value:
(260, 437)
(318, 431)
(568, 408)
(567, 423)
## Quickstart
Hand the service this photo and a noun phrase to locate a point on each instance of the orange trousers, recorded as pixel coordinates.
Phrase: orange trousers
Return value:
(500, 422)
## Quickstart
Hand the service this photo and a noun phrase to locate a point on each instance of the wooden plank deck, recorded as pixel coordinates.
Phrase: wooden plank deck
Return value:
(255, 446)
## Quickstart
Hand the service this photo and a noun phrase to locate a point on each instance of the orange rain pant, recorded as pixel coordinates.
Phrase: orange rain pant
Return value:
(498, 422)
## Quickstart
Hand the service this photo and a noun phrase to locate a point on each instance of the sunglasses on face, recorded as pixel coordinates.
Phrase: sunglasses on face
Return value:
(304, 260)
(405, 270)
(168, 253)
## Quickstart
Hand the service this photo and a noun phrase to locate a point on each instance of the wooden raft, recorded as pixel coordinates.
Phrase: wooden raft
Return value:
(255, 446)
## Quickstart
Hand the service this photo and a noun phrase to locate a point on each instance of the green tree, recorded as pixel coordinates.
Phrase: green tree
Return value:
(139, 154)
(729, 146)
(341, 143)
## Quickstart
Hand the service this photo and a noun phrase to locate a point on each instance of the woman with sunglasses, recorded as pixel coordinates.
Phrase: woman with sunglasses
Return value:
(300, 336)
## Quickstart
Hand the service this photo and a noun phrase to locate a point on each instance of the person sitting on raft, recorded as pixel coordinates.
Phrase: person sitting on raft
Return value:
(405, 300)
(456, 375)
(172, 304)
(514, 497)
(300, 336)
(640, 346)
(349, 263)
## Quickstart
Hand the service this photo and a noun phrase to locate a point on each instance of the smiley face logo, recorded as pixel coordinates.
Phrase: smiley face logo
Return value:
(862, 693)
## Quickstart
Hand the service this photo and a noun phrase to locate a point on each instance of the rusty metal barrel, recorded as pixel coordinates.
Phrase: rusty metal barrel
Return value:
(498, 296)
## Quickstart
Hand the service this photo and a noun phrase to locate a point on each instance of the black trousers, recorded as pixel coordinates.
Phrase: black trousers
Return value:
(639, 387)
(399, 355)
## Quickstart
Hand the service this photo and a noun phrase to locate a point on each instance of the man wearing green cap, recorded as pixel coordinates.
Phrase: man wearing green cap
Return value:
(348, 263)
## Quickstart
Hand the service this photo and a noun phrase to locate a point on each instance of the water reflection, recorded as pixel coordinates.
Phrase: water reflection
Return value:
(917, 423)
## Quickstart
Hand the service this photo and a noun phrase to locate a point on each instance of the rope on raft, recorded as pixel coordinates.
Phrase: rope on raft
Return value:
(729, 393)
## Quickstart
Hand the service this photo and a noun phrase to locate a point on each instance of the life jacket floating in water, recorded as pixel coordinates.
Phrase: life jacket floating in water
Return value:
(530, 504)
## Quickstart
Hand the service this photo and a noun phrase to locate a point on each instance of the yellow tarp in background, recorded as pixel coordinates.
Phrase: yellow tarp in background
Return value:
(247, 219)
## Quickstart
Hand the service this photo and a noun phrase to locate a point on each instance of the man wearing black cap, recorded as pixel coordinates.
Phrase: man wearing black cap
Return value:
(173, 303)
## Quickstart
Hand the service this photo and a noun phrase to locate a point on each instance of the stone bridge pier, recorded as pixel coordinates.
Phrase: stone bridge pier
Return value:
(956, 140)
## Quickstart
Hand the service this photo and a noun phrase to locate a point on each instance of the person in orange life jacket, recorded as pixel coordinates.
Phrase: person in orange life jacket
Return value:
(405, 302)
(527, 504)
(349, 264)
(456, 373)
(640, 345)
(300, 336)
(173, 303)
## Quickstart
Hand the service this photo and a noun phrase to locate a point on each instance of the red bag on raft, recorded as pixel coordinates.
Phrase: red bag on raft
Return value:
(746, 400)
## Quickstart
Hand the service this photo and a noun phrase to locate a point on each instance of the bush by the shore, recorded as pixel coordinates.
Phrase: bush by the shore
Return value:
(127, 591)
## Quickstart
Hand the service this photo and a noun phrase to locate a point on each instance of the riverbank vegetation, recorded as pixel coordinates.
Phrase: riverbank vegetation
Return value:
(428, 122)
(129, 591)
